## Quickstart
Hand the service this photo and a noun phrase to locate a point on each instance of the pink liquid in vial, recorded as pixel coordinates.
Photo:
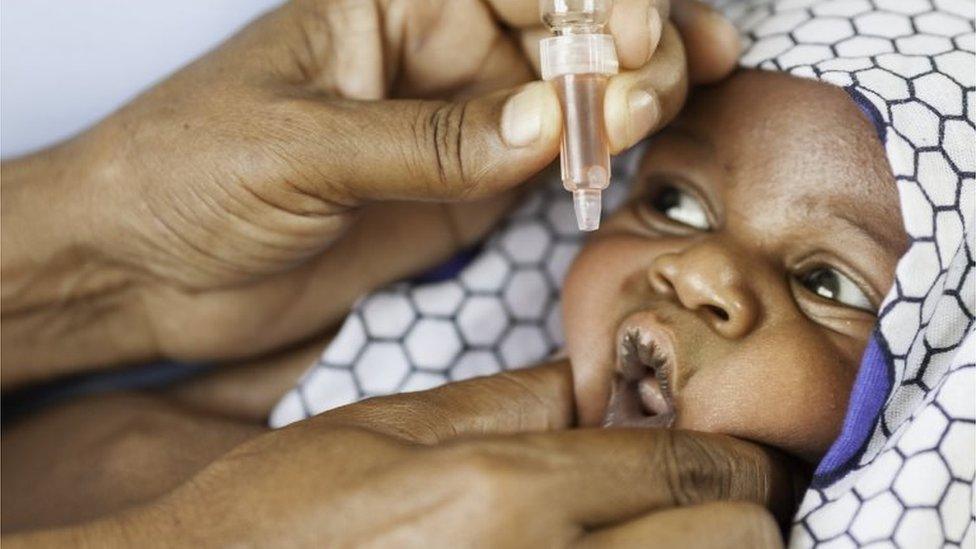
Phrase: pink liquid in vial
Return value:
(585, 154)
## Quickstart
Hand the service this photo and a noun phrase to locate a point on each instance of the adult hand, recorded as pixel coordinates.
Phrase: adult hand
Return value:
(486, 462)
(245, 202)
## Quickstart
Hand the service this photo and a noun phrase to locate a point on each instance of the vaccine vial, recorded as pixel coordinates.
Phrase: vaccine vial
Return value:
(579, 60)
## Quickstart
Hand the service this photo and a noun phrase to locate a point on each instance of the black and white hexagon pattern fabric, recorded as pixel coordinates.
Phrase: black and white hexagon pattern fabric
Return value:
(902, 471)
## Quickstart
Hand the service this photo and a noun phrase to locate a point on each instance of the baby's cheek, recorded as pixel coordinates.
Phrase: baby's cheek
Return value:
(595, 298)
(786, 391)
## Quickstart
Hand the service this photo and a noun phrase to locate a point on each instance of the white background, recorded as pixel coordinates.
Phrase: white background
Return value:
(65, 64)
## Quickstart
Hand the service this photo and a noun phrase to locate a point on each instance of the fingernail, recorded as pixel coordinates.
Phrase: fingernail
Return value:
(644, 113)
(654, 25)
(522, 116)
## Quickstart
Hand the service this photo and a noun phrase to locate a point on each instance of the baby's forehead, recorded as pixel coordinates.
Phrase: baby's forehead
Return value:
(778, 122)
(776, 141)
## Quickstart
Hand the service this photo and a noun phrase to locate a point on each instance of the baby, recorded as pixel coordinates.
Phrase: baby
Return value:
(736, 289)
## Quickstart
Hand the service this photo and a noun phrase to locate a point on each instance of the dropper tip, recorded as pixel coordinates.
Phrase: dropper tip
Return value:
(587, 205)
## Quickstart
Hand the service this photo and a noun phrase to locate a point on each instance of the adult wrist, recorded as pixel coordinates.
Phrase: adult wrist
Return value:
(65, 303)
(131, 528)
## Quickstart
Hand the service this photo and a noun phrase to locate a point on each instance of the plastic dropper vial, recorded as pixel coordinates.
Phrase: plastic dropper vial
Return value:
(579, 60)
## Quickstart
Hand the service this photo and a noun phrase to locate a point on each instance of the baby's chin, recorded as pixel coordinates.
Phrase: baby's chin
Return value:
(625, 409)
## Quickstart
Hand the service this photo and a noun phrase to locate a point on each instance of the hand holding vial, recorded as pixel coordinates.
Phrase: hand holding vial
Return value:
(603, 111)
(579, 60)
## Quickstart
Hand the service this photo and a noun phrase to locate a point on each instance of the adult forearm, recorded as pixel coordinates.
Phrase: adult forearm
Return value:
(77, 536)
(65, 305)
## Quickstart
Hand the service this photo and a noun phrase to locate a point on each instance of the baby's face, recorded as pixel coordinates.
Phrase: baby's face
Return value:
(736, 289)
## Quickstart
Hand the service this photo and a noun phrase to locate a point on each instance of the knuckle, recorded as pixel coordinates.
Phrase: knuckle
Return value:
(397, 416)
(488, 473)
(670, 64)
(695, 470)
(482, 465)
(439, 133)
(518, 389)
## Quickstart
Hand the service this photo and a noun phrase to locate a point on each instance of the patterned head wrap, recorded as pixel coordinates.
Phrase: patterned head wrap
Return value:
(902, 470)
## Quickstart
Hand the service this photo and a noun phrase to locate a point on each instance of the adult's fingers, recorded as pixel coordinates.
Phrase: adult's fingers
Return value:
(381, 150)
(532, 399)
(658, 64)
(616, 474)
(717, 524)
(711, 41)
(357, 151)
(634, 24)
(516, 14)
(641, 101)
(636, 27)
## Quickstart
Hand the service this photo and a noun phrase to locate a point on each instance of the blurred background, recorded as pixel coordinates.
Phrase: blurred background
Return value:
(65, 64)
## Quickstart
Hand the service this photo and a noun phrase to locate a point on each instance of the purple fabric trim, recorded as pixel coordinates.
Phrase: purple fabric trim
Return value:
(870, 111)
(870, 390)
(449, 268)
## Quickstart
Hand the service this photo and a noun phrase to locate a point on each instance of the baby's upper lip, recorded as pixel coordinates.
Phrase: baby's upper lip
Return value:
(646, 363)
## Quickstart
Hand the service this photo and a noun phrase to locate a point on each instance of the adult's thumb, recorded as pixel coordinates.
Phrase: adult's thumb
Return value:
(432, 150)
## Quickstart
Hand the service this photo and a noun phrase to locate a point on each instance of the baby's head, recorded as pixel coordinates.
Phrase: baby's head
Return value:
(736, 289)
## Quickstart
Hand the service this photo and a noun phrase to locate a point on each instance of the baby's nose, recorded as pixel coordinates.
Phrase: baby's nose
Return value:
(707, 279)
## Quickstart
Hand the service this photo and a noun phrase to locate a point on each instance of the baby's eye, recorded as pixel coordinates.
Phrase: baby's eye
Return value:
(680, 206)
(829, 283)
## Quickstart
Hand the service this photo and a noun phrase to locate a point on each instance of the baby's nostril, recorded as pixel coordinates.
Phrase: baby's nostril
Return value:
(718, 312)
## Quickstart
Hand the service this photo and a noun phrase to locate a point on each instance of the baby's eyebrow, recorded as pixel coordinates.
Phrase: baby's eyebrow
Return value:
(854, 224)
(857, 221)
(697, 140)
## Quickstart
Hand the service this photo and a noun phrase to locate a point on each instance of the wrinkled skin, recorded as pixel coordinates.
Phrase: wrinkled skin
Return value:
(467, 464)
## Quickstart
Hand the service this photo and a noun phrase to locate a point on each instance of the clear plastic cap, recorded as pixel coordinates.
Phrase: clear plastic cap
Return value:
(577, 54)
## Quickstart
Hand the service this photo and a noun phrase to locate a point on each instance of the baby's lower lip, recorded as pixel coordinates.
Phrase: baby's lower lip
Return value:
(652, 397)
(638, 404)
(644, 369)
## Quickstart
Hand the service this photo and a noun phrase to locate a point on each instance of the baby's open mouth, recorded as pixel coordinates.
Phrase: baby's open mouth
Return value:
(641, 393)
